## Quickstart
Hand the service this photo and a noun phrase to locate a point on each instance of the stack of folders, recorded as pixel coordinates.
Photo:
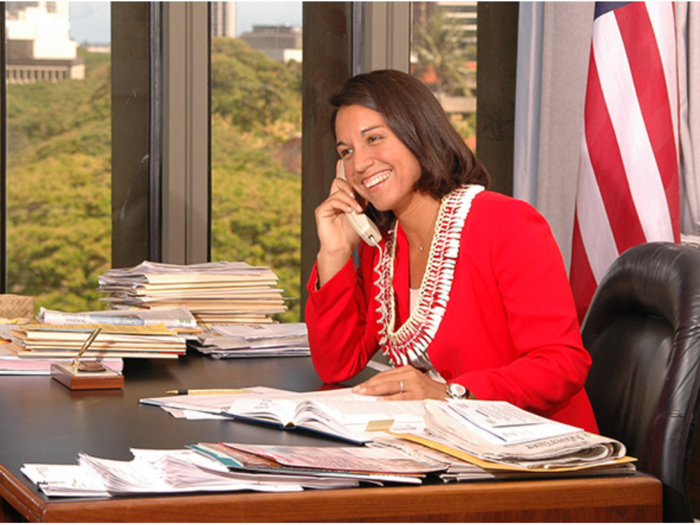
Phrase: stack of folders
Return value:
(42, 341)
(254, 340)
(221, 292)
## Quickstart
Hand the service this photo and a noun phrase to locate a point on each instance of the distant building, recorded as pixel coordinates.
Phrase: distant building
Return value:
(276, 41)
(39, 47)
(464, 15)
(223, 19)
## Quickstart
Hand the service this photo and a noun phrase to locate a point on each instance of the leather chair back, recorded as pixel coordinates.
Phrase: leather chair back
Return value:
(643, 332)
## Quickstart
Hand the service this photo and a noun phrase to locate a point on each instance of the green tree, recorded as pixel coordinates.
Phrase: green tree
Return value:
(59, 177)
(58, 205)
(440, 51)
(256, 209)
(256, 201)
(249, 89)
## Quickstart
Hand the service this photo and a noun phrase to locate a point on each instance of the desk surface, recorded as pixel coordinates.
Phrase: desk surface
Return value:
(43, 422)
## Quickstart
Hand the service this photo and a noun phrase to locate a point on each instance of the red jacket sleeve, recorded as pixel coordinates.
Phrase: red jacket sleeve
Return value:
(337, 320)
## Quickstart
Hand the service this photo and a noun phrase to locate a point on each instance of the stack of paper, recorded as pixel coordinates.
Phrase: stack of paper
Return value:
(12, 364)
(255, 340)
(218, 467)
(229, 467)
(160, 471)
(222, 292)
(41, 341)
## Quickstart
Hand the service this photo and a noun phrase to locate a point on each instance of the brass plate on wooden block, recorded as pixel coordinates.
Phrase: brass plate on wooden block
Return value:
(76, 379)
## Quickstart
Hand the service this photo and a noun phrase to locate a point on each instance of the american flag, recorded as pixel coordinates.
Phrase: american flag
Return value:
(628, 186)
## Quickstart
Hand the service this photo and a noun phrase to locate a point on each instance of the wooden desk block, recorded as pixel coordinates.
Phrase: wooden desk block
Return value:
(68, 376)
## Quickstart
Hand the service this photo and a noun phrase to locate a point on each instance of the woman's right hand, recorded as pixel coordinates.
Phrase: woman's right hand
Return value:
(338, 238)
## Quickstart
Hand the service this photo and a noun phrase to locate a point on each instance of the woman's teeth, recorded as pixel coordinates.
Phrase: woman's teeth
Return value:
(376, 179)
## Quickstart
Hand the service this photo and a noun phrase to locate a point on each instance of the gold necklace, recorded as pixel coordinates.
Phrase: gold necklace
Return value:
(428, 241)
(419, 248)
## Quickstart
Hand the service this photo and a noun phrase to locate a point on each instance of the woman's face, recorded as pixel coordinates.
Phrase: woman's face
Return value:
(377, 164)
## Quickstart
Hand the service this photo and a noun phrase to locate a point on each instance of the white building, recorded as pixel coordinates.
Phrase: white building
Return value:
(223, 19)
(38, 43)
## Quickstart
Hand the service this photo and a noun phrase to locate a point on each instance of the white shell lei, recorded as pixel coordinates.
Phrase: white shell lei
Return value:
(409, 344)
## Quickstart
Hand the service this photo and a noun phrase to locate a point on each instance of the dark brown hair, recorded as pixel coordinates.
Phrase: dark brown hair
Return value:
(415, 116)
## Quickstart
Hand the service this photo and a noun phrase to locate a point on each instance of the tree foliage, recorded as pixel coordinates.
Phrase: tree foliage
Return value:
(440, 51)
(59, 176)
(249, 89)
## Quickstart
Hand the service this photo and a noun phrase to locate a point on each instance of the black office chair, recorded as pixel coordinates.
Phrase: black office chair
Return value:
(643, 332)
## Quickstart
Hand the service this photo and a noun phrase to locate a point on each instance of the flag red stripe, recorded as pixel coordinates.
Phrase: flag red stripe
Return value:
(583, 284)
(652, 92)
(604, 153)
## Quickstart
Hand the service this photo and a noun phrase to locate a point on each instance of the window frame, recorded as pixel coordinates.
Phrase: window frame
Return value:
(174, 224)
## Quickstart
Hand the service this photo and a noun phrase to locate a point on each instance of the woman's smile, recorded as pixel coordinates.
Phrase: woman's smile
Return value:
(377, 178)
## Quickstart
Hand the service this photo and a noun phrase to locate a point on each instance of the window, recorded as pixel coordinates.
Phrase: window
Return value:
(443, 56)
(58, 168)
(88, 188)
(256, 140)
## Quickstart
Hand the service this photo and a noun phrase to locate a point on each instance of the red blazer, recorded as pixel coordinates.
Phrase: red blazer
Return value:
(510, 331)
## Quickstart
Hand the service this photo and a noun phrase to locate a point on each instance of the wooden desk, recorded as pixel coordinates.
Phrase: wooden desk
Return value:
(43, 422)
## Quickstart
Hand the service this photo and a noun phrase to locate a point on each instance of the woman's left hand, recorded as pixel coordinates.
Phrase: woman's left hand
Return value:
(404, 383)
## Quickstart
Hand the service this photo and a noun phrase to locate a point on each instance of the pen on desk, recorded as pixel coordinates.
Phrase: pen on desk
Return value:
(93, 335)
(206, 391)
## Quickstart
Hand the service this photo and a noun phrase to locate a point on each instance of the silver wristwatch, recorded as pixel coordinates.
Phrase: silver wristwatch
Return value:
(456, 391)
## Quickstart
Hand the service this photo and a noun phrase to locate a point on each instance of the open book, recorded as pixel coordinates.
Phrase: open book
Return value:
(334, 413)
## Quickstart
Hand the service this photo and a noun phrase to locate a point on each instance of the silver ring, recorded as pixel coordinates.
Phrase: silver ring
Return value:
(401, 385)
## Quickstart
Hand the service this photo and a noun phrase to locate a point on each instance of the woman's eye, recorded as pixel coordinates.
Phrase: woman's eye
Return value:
(344, 153)
(373, 138)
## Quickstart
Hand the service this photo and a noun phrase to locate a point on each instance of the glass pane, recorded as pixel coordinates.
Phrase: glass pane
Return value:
(59, 140)
(443, 56)
(256, 139)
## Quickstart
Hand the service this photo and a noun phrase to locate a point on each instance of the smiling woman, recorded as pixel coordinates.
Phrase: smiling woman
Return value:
(486, 312)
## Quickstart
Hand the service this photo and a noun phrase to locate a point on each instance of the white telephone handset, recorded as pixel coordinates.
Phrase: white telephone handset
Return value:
(364, 227)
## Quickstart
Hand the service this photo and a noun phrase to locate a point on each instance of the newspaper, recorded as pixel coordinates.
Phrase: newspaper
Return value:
(498, 432)
(464, 470)
(172, 318)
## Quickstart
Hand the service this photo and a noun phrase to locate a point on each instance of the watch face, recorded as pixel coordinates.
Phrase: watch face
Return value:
(456, 390)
